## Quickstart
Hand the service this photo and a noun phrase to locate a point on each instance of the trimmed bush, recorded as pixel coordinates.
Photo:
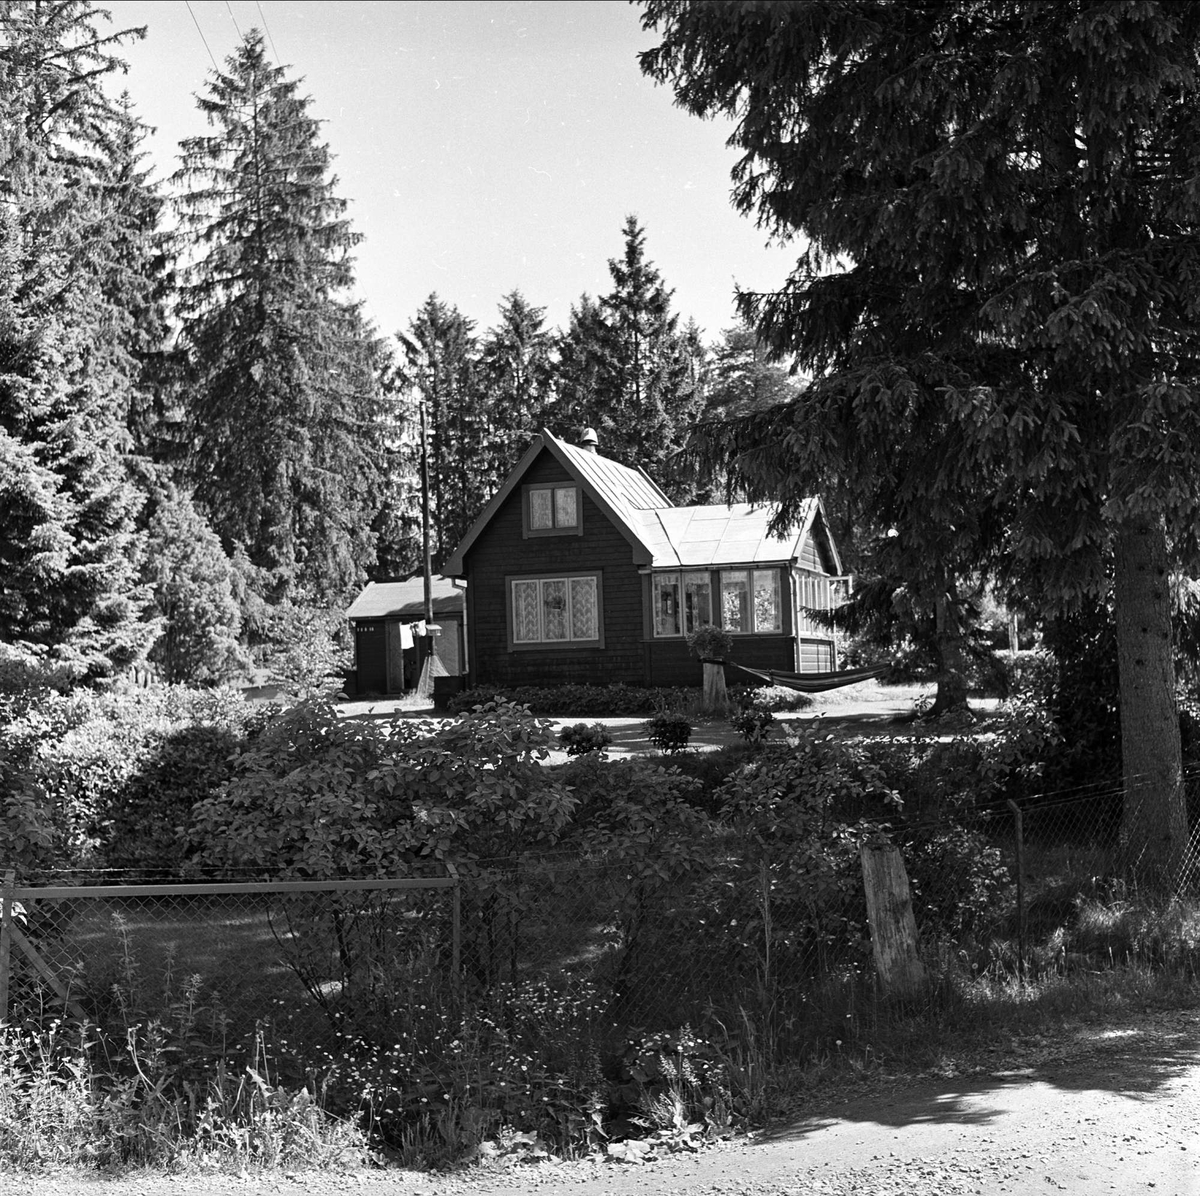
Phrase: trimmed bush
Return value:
(669, 732)
(582, 738)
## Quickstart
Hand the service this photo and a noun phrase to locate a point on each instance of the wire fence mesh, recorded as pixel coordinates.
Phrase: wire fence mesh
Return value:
(618, 945)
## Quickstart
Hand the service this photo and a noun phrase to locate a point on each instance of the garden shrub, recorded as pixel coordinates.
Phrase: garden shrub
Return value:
(90, 775)
(793, 892)
(147, 819)
(669, 732)
(319, 796)
(960, 883)
(752, 723)
(565, 701)
(580, 739)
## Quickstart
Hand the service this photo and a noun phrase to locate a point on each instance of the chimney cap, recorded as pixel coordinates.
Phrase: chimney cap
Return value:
(589, 440)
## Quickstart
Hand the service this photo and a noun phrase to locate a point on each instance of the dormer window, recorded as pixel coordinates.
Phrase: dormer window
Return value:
(552, 510)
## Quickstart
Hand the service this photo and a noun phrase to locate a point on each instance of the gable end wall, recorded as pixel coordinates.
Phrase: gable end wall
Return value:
(501, 551)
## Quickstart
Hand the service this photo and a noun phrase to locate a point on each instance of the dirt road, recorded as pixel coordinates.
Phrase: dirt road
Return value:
(1090, 1110)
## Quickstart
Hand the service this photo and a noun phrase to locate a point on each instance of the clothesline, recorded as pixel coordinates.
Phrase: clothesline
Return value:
(417, 628)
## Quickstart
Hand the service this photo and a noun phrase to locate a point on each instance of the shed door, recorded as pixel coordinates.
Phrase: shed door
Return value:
(370, 654)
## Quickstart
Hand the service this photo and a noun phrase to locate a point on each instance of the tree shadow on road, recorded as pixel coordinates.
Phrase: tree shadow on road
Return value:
(1136, 1061)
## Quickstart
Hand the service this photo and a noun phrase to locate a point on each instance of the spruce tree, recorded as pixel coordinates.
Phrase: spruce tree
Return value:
(440, 370)
(630, 371)
(193, 586)
(283, 373)
(66, 372)
(516, 373)
(997, 300)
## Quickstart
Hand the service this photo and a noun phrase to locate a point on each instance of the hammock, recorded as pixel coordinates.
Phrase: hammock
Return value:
(809, 683)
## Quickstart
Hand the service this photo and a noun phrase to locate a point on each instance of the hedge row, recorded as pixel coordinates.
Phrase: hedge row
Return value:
(616, 701)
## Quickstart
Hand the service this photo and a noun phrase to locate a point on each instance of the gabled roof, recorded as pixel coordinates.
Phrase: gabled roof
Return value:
(405, 599)
(620, 492)
(662, 535)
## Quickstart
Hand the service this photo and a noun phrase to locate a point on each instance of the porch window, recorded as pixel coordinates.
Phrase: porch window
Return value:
(552, 510)
(682, 602)
(750, 601)
(556, 610)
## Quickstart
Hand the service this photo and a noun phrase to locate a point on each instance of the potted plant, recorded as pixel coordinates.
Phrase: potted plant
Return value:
(712, 645)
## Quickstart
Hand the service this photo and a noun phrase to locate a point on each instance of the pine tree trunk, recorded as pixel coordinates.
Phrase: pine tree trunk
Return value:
(1154, 818)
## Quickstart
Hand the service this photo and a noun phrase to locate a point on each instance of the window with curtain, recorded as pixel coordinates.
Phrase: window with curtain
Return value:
(555, 610)
(551, 509)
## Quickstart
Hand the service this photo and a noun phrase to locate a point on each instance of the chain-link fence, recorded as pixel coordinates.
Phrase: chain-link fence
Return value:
(744, 928)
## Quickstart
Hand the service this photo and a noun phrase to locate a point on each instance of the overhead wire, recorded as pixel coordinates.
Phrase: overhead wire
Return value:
(202, 37)
(234, 20)
(267, 31)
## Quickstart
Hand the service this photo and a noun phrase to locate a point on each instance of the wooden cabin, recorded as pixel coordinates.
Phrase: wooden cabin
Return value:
(581, 570)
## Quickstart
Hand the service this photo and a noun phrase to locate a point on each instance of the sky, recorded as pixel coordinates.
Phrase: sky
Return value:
(483, 146)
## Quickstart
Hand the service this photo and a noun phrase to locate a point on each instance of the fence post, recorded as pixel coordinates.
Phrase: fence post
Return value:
(893, 925)
(6, 900)
(455, 926)
(1020, 829)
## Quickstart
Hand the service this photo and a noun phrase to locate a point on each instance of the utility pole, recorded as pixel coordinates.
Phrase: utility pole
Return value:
(428, 558)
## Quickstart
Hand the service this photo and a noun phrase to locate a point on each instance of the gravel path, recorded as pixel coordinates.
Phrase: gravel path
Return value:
(1091, 1110)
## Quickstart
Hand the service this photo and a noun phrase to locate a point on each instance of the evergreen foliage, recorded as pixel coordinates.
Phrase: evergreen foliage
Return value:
(516, 373)
(440, 371)
(194, 597)
(997, 300)
(66, 374)
(628, 370)
(283, 392)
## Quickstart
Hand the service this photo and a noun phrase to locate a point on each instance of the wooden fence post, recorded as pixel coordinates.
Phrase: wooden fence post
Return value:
(1020, 835)
(6, 901)
(893, 927)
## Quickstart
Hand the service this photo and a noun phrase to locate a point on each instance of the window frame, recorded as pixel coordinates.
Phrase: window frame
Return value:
(528, 531)
(681, 577)
(750, 572)
(544, 645)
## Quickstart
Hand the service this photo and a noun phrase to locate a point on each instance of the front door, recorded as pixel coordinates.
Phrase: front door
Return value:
(370, 656)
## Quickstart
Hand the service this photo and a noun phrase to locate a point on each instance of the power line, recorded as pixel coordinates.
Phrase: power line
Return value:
(267, 31)
(233, 19)
(202, 37)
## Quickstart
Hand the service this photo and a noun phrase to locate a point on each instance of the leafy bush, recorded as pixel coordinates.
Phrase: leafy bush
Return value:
(581, 738)
(669, 732)
(98, 778)
(147, 819)
(794, 893)
(777, 698)
(959, 881)
(752, 723)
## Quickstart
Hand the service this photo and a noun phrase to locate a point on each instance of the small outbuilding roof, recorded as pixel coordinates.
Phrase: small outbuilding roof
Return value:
(406, 599)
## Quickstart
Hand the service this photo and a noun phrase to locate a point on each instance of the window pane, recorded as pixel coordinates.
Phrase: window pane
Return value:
(766, 600)
(585, 622)
(554, 609)
(525, 612)
(666, 604)
(697, 600)
(735, 601)
(540, 513)
(564, 507)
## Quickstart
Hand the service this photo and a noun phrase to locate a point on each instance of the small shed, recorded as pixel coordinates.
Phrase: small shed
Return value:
(390, 646)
